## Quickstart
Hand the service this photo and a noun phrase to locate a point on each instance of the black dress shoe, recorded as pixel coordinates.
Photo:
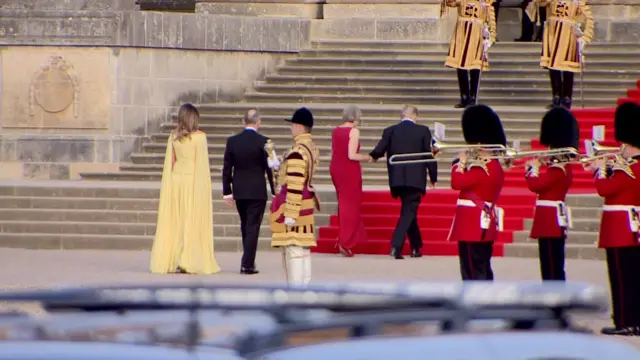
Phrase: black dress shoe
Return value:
(248, 271)
(415, 253)
(395, 253)
(624, 331)
(566, 102)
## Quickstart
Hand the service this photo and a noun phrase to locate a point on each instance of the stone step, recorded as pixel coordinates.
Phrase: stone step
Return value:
(584, 201)
(420, 62)
(586, 212)
(572, 251)
(579, 225)
(106, 242)
(541, 82)
(280, 137)
(526, 129)
(369, 122)
(425, 99)
(438, 54)
(53, 203)
(327, 44)
(391, 90)
(437, 72)
(574, 237)
(380, 111)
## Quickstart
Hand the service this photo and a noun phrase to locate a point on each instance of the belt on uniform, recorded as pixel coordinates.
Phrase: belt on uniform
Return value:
(549, 203)
(618, 207)
(469, 203)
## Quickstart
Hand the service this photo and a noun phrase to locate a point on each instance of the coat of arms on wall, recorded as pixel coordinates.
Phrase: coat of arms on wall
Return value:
(54, 87)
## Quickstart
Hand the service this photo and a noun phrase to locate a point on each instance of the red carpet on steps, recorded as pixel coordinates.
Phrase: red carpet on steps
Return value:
(435, 215)
(380, 211)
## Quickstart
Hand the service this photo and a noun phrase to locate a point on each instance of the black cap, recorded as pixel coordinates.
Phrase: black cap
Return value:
(481, 125)
(627, 124)
(303, 117)
(559, 129)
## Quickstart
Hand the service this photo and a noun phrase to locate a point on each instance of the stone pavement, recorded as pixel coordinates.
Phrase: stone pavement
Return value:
(49, 268)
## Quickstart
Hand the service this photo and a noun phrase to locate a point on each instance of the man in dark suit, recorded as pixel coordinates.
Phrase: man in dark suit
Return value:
(243, 182)
(530, 26)
(407, 181)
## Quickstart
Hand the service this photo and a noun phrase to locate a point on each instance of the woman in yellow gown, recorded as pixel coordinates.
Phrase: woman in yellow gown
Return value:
(184, 233)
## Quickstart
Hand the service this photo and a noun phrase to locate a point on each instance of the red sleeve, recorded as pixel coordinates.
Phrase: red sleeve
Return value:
(545, 180)
(611, 186)
(468, 179)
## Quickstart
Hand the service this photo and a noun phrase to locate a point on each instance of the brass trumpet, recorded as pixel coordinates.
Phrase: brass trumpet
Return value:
(542, 155)
(426, 157)
(599, 149)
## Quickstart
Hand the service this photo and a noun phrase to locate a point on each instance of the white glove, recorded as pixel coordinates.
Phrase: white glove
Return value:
(577, 30)
(273, 164)
(289, 222)
(486, 44)
(486, 34)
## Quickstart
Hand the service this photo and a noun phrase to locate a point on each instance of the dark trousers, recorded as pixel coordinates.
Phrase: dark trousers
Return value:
(475, 260)
(407, 225)
(251, 213)
(624, 267)
(468, 81)
(551, 255)
(561, 87)
(529, 26)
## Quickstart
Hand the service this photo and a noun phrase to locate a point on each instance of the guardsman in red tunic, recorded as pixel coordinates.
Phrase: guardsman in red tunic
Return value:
(479, 178)
(618, 182)
(551, 182)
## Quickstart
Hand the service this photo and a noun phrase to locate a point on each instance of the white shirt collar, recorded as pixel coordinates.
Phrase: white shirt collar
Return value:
(250, 128)
(413, 121)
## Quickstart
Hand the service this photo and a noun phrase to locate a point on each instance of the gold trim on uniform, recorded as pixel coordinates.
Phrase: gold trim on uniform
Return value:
(466, 46)
(299, 171)
(560, 44)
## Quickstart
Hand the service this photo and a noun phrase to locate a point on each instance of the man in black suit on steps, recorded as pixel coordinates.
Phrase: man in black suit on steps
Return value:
(243, 182)
(407, 181)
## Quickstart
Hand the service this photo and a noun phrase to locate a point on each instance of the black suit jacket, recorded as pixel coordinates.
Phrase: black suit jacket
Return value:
(402, 138)
(245, 165)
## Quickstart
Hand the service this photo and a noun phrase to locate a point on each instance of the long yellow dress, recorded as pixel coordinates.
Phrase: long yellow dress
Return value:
(184, 233)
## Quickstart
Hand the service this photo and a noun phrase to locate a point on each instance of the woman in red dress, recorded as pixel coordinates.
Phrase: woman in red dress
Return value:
(346, 175)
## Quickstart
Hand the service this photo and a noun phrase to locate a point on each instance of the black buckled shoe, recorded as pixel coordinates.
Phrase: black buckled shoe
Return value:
(464, 101)
(623, 331)
(415, 253)
(555, 102)
(566, 102)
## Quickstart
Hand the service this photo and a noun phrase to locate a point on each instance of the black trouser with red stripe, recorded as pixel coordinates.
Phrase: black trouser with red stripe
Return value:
(475, 260)
(551, 255)
(624, 269)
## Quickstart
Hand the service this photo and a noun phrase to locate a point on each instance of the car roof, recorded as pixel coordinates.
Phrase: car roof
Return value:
(60, 350)
(498, 346)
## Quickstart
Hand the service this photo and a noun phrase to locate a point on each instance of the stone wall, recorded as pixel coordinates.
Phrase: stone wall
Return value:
(68, 109)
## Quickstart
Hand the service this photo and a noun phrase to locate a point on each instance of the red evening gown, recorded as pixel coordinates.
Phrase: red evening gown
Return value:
(346, 175)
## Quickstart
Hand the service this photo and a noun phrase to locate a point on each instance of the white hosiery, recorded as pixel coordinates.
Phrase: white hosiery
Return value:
(297, 265)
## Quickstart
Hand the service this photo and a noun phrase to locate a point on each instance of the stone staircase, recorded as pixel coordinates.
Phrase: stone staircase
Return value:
(122, 216)
(379, 76)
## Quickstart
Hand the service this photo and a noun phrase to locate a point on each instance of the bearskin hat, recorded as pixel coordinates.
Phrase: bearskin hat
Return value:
(559, 129)
(627, 124)
(481, 125)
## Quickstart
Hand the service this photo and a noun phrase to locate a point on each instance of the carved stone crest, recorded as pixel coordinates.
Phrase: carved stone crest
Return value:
(54, 87)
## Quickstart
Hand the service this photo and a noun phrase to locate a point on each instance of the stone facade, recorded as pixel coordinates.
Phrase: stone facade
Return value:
(92, 108)
(85, 82)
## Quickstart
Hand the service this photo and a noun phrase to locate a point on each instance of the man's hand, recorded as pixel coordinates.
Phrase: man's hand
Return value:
(228, 199)
(289, 222)
(432, 186)
(462, 156)
(599, 164)
(534, 163)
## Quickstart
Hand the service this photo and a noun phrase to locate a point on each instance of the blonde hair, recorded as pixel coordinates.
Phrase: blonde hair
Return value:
(188, 119)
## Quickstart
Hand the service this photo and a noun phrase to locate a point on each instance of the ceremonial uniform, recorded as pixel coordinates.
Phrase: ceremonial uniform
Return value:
(292, 211)
(560, 45)
(619, 185)
(559, 129)
(477, 218)
(476, 23)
